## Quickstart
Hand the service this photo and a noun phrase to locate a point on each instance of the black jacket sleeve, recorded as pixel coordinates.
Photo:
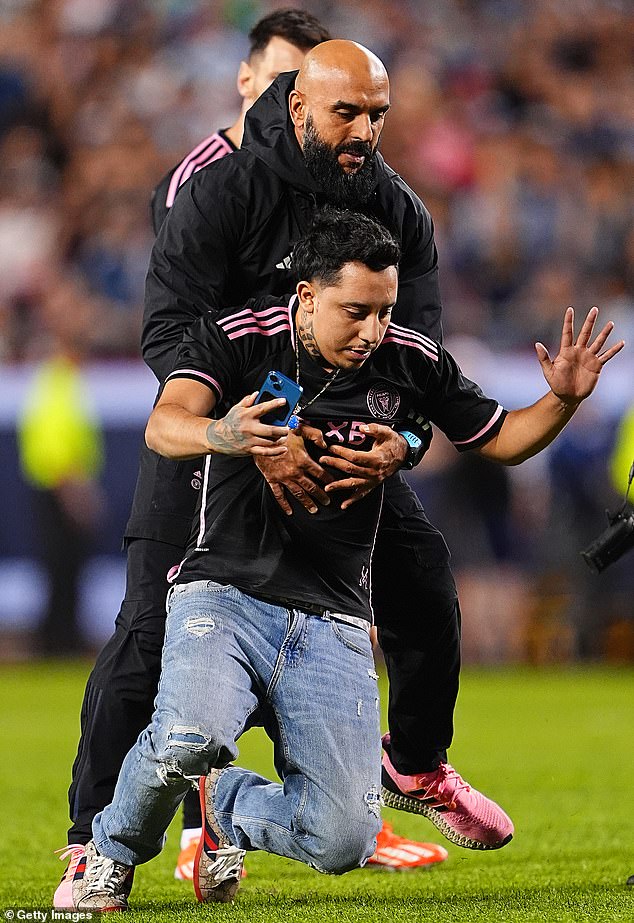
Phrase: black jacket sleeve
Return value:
(419, 305)
(190, 263)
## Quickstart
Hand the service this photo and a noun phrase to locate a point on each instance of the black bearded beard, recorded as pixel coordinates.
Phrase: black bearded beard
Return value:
(344, 190)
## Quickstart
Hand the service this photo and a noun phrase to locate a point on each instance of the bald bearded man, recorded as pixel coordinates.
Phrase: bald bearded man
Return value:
(228, 238)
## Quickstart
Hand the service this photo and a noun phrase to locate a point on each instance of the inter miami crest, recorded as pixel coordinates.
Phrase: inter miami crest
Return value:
(383, 402)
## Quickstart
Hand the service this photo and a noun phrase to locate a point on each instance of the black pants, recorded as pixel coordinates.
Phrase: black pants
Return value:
(417, 615)
(416, 609)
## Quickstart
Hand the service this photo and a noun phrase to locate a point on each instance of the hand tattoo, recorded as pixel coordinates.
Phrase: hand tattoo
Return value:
(225, 435)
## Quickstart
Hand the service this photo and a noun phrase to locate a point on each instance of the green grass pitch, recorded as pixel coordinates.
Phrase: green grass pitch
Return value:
(555, 748)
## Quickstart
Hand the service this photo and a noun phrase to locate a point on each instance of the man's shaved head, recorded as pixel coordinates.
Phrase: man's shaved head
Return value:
(338, 105)
(339, 61)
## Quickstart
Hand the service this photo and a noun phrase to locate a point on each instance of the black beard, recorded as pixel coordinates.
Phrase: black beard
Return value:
(338, 188)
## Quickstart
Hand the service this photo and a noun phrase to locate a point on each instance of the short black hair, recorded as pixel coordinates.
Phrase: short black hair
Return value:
(338, 237)
(298, 27)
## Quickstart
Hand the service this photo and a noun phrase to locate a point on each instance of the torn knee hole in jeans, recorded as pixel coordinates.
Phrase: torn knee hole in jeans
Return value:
(171, 770)
(373, 800)
(189, 739)
(199, 626)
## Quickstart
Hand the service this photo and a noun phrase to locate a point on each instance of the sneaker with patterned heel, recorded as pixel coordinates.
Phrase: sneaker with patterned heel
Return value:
(218, 864)
(92, 881)
(184, 870)
(462, 814)
(396, 853)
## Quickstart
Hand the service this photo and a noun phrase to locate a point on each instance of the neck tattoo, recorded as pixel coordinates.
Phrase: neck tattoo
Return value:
(313, 352)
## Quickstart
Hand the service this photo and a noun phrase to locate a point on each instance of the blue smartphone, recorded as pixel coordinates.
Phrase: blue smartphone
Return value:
(278, 385)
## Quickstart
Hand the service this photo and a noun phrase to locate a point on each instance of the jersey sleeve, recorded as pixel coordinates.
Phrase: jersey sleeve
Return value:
(456, 404)
(215, 147)
(190, 262)
(207, 356)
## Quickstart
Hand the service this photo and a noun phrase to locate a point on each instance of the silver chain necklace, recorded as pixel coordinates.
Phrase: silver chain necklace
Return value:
(301, 407)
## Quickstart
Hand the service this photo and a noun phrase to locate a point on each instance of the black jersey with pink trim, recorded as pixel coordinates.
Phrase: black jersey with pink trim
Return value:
(240, 535)
(211, 149)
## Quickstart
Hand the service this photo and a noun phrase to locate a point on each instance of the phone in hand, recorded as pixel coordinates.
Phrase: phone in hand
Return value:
(278, 385)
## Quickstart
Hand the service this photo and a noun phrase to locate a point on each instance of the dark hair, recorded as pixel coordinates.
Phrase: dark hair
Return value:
(338, 237)
(296, 26)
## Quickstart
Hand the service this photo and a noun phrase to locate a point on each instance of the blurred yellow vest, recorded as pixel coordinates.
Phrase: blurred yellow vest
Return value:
(59, 438)
(623, 454)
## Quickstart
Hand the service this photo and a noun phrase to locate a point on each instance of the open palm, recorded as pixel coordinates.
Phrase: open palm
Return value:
(575, 370)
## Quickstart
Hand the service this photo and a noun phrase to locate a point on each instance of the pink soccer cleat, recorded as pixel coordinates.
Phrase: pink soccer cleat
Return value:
(462, 814)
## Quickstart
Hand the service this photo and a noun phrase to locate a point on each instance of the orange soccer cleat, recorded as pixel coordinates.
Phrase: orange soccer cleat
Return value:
(395, 852)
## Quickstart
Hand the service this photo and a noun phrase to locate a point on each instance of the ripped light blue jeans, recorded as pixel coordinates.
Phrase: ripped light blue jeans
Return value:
(230, 661)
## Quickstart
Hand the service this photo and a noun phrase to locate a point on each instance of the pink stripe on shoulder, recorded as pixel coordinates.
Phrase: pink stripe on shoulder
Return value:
(248, 316)
(212, 148)
(271, 331)
(411, 343)
(216, 153)
(414, 334)
(206, 378)
(484, 429)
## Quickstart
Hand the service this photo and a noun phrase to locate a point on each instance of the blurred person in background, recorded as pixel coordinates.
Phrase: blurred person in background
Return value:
(620, 639)
(622, 456)
(61, 454)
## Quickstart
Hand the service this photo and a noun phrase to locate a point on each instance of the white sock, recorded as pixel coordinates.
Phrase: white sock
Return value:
(190, 835)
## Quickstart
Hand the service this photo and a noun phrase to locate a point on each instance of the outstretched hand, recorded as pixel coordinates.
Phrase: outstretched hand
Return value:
(574, 372)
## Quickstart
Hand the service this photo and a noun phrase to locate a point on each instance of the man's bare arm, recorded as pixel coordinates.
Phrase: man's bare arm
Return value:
(179, 426)
(572, 376)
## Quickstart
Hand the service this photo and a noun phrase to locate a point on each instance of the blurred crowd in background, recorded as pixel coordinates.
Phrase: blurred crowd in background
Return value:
(513, 120)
